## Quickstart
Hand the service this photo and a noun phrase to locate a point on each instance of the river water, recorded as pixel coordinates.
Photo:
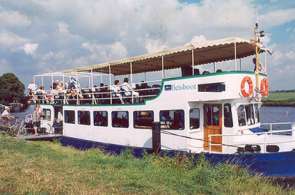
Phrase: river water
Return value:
(270, 114)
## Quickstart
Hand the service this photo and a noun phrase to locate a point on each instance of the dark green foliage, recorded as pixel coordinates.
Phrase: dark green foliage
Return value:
(11, 89)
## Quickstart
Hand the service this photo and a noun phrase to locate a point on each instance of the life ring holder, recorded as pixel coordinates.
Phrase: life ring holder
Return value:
(244, 92)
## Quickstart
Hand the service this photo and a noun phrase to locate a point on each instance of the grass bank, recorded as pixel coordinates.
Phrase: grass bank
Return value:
(41, 167)
(280, 99)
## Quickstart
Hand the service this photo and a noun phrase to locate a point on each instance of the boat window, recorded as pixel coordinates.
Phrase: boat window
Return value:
(84, 117)
(143, 119)
(211, 87)
(69, 116)
(250, 114)
(241, 115)
(212, 114)
(120, 119)
(172, 119)
(257, 117)
(46, 113)
(194, 118)
(228, 119)
(100, 118)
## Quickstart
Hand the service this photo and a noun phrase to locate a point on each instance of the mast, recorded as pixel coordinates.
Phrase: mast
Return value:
(257, 35)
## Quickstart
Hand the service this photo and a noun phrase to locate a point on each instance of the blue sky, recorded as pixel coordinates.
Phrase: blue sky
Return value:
(48, 35)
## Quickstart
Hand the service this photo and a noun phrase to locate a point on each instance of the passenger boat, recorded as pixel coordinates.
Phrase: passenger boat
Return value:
(216, 113)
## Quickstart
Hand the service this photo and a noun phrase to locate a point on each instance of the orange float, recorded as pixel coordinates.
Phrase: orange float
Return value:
(249, 92)
(264, 90)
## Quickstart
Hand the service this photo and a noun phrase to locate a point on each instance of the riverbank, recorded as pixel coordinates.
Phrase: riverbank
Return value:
(280, 99)
(34, 167)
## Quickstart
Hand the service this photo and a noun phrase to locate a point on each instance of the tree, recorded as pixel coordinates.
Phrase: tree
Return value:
(11, 89)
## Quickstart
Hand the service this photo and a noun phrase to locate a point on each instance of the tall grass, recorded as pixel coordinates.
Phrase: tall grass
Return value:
(42, 167)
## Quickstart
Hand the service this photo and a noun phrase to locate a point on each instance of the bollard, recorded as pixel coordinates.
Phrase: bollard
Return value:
(156, 137)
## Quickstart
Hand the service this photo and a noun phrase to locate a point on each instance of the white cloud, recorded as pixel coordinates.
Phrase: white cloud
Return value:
(11, 40)
(14, 19)
(30, 48)
(154, 45)
(63, 28)
(278, 17)
(104, 52)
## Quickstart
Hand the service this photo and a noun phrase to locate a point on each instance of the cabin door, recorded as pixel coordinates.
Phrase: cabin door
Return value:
(213, 126)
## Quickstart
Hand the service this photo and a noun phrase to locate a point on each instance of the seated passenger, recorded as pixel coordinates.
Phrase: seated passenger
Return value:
(128, 90)
(116, 90)
(41, 94)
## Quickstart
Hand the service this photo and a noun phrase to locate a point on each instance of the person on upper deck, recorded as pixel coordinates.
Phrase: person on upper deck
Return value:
(128, 90)
(259, 65)
(117, 90)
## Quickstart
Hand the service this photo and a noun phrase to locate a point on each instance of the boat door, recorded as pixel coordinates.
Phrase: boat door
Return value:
(213, 126)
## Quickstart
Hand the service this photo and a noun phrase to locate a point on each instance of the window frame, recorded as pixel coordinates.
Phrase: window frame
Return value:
(190, 122)
(107, 118)
(231, 116)
(44, 114)
(153, 117)
(65, 117)
(180, 129)
(244, 114)
(112, 119)
(78, 117)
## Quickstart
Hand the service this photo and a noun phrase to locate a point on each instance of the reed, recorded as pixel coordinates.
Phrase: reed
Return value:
(48, 167)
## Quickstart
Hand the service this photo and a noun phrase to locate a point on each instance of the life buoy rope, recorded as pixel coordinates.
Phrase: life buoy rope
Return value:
(264, 90)
(249, 92)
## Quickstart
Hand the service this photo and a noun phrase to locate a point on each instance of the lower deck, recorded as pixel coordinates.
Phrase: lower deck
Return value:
(226, 127)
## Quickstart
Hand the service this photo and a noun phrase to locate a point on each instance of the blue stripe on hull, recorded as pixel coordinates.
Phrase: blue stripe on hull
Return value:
(280, 164)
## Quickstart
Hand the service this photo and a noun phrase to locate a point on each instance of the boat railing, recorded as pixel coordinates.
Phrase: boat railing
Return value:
(264, 143)
(102, 95)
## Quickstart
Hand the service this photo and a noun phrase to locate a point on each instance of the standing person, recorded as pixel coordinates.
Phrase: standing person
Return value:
(36, 118)
(32, 87)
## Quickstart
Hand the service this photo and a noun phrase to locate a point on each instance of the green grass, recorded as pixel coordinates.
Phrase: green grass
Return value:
(43, 168)
(280, 98)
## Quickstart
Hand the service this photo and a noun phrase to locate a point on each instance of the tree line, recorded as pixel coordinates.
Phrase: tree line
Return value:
(11, 89)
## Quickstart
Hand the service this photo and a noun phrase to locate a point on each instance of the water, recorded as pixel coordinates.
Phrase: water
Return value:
(271, 114)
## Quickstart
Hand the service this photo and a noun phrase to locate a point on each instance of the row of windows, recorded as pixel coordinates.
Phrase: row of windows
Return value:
(169, 119)
(248, 114)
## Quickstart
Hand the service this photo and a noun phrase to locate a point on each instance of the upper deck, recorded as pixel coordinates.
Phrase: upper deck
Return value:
(190, 86)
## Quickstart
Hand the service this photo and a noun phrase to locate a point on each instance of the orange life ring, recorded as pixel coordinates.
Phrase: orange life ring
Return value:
(247, 80)
(264, 90)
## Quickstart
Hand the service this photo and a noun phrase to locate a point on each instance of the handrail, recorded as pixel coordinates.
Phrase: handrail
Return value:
(265, 134)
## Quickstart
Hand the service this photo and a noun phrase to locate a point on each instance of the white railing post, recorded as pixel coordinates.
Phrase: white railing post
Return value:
(235, 45)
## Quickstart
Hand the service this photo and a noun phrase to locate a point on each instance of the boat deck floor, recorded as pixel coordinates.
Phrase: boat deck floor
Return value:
(40, 137)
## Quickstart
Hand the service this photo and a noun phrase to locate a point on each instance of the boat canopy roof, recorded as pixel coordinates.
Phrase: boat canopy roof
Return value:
(195, 53)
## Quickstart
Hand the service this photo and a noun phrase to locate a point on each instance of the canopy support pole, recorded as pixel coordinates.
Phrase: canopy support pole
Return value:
(235, 45)
(265, 62)
(240, 64)
(51, 80)
(163, 73)
(110, 83)
(193, 61)
(63, 80)
(214, 67)
(78, 90)
(131, 81)
(42, 81)
(92, 88)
